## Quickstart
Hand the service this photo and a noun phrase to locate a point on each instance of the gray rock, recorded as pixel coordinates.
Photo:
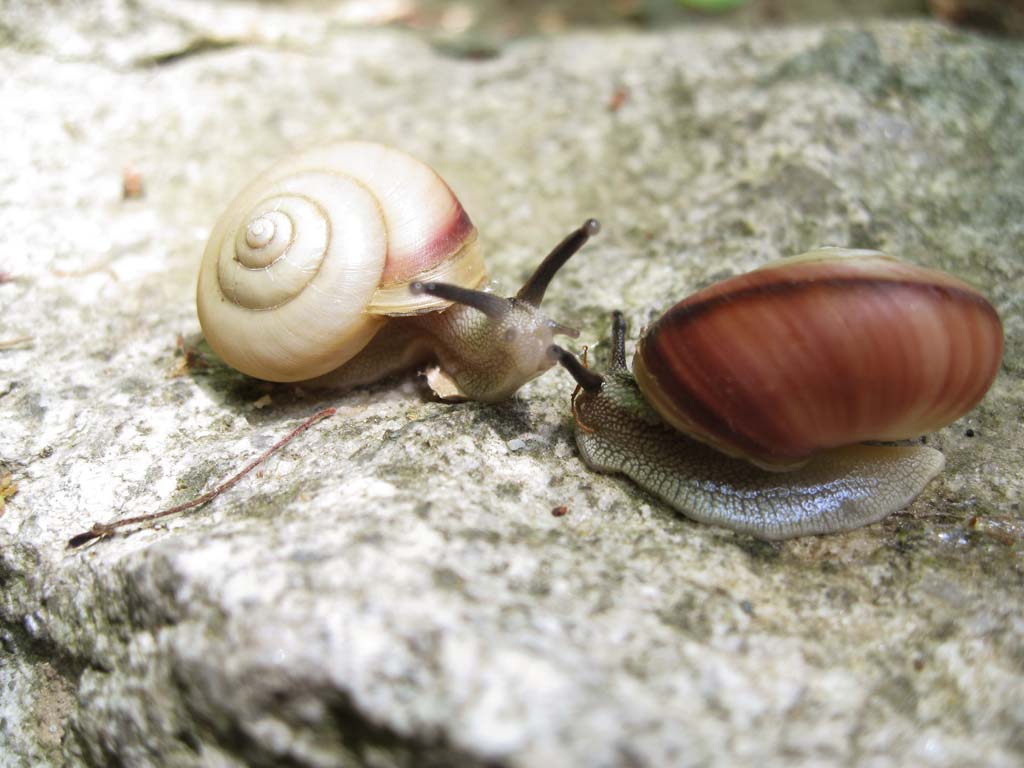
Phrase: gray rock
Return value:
(393, 589)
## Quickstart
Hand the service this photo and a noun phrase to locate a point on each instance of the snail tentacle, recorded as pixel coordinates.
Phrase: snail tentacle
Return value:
(493, 306)
(587, 379)
(536, 285)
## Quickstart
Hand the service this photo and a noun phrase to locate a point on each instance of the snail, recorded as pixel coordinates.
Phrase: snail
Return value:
(752, 399)
(354, 261)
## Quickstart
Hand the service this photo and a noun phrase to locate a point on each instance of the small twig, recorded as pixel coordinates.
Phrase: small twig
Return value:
(102, 530)
(15, 342)
(103, 265)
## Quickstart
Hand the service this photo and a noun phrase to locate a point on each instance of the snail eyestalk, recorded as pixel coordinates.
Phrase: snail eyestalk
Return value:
(493, 306)
(535, 286)
(585, 378)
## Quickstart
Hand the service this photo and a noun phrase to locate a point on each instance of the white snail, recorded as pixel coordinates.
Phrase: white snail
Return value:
(752, 398)
(356, 260)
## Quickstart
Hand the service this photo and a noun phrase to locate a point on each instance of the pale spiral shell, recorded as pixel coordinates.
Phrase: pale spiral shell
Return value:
(301, 269)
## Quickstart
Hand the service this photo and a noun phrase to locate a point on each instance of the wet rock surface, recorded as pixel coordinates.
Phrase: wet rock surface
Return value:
(393, 588)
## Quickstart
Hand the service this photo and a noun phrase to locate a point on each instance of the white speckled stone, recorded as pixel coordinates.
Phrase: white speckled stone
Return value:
(393, 589)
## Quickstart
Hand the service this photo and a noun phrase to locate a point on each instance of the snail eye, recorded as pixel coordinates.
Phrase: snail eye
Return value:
(511, 335)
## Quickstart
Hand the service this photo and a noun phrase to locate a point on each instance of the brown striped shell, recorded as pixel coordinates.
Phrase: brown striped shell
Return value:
(826, 349)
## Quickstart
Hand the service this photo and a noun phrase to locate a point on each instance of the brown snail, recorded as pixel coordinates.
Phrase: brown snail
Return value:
(752, 398)
(354, 261)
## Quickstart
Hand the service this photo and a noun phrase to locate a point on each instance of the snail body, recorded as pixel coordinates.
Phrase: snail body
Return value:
(750, 400)
(337, 265)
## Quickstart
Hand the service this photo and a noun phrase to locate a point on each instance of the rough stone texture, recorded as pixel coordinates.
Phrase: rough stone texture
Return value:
(393, 590)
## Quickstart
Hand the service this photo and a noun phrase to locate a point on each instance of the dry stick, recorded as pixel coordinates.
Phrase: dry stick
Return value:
(103, 265)
(15, 342)
(101, 530)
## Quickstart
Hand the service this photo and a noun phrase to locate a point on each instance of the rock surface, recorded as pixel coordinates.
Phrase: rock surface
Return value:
(393, 588)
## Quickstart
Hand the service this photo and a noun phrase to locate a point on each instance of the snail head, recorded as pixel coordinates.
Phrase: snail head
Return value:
(507, 338)
(598, 396)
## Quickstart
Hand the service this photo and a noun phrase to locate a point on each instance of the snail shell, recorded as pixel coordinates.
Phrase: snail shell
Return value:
(789, 368)
(304, 265)
(817, 351)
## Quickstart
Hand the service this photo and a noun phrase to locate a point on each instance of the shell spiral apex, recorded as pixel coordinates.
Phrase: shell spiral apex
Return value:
(301, 267)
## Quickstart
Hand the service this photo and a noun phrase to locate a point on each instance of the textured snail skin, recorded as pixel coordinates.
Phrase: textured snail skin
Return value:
(897, 318)
(473, 356)
(835, 491)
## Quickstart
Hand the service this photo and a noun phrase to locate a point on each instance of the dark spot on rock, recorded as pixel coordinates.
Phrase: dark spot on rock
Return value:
(944, 630)
(135, 385)
(472, 47)
(803, 188)
(689, 614)
(765, 551)
(899, 692)
(851, 57)
(739, 228)
(32, 407)
(194, 480)
(509, 490)
(371, 538)
(862, 236)
(539, 585)
(446, 578)
(481, 534)
(190, 740)
(840, 597)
